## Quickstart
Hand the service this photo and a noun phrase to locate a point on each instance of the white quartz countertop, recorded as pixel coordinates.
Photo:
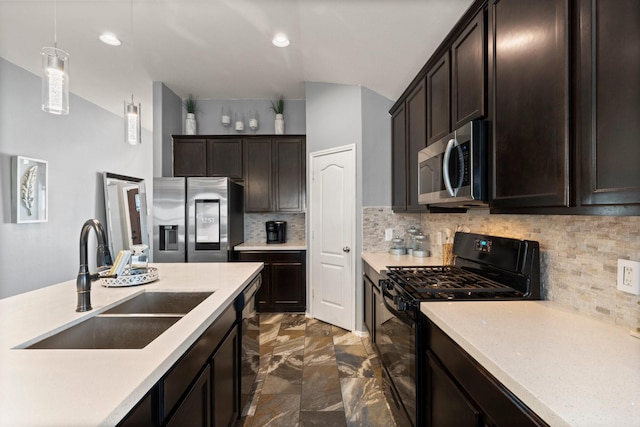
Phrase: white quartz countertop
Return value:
(570, 369)
(99, 387)
(379, 261)
(296, 245)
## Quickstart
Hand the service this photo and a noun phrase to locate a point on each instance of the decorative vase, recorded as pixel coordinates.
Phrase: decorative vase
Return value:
(190, 124)
(279, 124)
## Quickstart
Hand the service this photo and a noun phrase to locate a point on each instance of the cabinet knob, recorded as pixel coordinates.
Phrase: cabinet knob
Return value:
(346, 249)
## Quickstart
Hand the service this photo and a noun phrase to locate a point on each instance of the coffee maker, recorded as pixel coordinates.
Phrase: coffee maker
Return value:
(276, 231)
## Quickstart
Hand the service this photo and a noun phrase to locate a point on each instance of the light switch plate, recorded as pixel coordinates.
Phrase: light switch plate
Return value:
(388, 234)
(629, 276)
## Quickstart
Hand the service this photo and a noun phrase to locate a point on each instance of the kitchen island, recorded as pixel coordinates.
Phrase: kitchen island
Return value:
(100, 387)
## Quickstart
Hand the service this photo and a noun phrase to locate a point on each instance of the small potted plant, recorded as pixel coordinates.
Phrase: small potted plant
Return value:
(190, 104)
(278, 107)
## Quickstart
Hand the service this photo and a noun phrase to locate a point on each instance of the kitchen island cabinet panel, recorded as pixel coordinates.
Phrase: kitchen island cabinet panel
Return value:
(195, 410)
(225, 383)
(609, 101)
(530, 96)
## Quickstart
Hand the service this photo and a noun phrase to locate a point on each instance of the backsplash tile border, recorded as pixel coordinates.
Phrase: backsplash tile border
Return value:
(578, 253)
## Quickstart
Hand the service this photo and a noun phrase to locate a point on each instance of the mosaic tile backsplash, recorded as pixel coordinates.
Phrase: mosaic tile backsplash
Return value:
(579, 254)
(254, 226)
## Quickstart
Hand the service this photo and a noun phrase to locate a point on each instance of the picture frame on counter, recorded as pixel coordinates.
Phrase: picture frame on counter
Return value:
(29, 190)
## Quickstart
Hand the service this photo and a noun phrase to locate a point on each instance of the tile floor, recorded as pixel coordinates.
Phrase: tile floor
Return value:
(315, 374)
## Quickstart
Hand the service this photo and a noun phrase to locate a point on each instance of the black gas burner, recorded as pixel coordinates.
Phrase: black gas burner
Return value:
(441, 282)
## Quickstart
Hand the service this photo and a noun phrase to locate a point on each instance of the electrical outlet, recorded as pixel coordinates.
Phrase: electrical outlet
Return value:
(629, 276)
(388, 234)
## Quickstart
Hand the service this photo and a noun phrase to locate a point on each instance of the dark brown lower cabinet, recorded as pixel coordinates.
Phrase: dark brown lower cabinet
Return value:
(450, 405)
(202, 388)
(283, 280)
(195, 409)
(460, 392)
(225, 386)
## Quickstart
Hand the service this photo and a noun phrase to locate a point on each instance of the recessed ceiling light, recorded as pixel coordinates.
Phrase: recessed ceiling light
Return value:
(280, 40)
(110, 39)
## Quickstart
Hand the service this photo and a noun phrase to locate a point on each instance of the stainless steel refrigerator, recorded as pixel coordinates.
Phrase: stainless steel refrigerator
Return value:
(196, 219)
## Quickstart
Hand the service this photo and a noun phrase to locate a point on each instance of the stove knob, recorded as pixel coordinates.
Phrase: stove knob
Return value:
(388, 285)
(401, 304)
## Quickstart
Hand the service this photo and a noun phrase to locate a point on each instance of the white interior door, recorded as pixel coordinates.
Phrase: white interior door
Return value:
(332, 211)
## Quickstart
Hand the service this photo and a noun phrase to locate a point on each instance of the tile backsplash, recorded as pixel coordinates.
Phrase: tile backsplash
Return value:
(254, 226)
(578, 253)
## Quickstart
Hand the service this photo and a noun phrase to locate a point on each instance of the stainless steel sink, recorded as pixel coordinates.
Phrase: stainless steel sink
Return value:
(109, 333)
(132, 324)
(179, 303)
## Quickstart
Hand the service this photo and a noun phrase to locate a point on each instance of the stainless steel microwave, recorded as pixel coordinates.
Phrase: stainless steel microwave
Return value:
(452, 172)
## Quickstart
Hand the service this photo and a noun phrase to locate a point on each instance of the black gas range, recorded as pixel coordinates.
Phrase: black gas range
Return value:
(486, 268)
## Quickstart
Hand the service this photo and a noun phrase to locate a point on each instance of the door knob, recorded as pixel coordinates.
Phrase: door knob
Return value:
(346, 249)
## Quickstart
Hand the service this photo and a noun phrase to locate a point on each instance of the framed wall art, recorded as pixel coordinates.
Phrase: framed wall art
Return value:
(29, 190)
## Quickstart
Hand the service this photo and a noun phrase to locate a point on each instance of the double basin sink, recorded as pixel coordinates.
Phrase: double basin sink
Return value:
(131, 324)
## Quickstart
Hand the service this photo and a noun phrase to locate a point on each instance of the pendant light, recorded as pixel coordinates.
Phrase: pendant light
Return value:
(55, 74)
(132, 128)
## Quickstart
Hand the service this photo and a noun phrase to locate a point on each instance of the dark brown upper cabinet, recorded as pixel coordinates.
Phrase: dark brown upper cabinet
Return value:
(275, 174)
(409, 136)
(608, 102)
(529, 42)
(399, 159)
(207, 157)
(290, 169)
(224, 157)
(189, 157)
(438, 100)
(469, 73)
(456, 81)
(258, 188)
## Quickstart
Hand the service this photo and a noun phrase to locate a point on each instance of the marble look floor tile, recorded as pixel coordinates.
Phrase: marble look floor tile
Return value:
(364, 403)
(321, 389)
(268, 334)
(322, 419)
(317, 328)
(277, 410)
(342, 337)
(289, 345)
(294, 321)
(353, 361)
(319, 351)
(270, 318)
(366, 342)
(284, 375)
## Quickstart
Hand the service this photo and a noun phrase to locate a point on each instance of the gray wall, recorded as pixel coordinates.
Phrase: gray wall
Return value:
(376, 153)
(78, 147)
(209, 114)
(339, 115)
(167, 120)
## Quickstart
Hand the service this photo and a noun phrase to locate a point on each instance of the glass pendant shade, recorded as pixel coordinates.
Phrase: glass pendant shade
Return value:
(132, 130)
(55, 80)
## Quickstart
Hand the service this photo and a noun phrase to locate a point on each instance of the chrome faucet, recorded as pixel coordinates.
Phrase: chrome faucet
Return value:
(103, 258)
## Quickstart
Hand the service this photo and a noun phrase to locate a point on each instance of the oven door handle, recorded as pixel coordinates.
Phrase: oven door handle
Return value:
(404, 317)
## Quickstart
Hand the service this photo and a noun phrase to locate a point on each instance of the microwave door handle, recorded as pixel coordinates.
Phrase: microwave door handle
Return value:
(445, 166)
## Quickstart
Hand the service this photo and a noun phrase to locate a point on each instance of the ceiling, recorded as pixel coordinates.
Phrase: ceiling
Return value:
(221, 49)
